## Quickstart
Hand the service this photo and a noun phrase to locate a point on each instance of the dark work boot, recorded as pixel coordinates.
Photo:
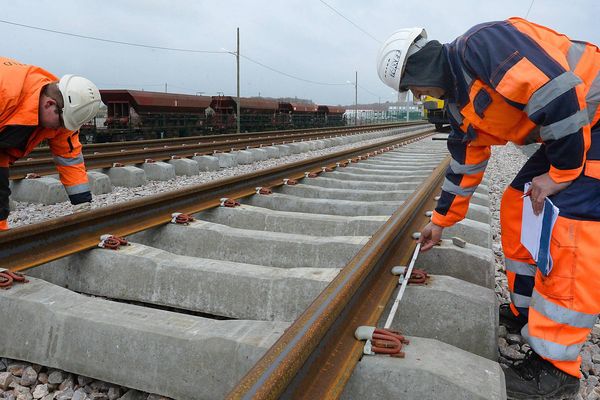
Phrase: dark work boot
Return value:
(536, 378)
(512, 322)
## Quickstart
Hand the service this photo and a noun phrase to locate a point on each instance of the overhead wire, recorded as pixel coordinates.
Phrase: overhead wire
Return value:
(350, 21)
(184, 50)
(530, 5)
(368, 91)
(290, 75)
(113, 41)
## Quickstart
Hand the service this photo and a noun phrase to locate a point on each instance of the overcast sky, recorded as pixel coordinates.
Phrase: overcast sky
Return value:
(305, 39)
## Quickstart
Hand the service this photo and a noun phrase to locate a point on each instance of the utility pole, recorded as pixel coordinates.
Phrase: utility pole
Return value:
(165, 87)
(356, 98)
(407, 102)
(237, 55)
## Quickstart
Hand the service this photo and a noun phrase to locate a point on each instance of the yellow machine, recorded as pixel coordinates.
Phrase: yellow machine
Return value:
(435, 112)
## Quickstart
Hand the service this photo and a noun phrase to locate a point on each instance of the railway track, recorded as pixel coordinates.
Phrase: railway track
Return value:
(261, 300)
(105, 155)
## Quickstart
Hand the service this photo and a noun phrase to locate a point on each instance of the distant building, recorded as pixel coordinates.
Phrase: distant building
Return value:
(383, 113)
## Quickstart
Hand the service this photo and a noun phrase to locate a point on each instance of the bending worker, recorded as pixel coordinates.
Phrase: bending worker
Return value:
(521, 82)
(35, 106)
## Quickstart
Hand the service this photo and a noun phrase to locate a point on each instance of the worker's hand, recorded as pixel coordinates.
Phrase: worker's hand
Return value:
(81, 207)
(430, 236)
(541, 187)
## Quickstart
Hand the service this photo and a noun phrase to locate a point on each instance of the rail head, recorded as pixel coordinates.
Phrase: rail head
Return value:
(32, 245)
(316, 355)
(130, 153)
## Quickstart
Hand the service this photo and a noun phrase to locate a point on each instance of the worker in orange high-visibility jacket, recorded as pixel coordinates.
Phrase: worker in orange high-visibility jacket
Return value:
(521, 82)
(35, 106)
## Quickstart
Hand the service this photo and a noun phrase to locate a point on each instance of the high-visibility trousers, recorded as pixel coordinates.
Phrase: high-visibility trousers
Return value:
(520, 267)
(561, 308)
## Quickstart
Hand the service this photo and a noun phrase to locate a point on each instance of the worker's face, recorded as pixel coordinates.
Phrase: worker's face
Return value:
(50, 113)
(420, 91)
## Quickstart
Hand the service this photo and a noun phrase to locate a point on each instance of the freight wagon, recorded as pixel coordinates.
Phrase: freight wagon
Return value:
(330, 116)
(296, 115)
(256, 114)
(135, 115)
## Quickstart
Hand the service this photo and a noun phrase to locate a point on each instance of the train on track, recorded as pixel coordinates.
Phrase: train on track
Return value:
(137, 115)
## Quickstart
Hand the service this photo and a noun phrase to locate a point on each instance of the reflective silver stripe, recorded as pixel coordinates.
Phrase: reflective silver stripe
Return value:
(565, 127)
(71, 190)
(67, 162)
(468, 169)
(575, 52)
(551, 90)
(560, 314)
(519, 300)
(467, 77)
(551, 350)
(460, 191)
(453, 110)
(519, 267)
(593, 97)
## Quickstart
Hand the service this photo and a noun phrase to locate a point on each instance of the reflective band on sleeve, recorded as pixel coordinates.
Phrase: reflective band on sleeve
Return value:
(551, 90)
(468, 169)
(457, 190)
(453, 110)
(551, 350)
(561, 314)
(574, 54)
(519, 267)
(565, 127)
(593, 97)
(519, 300)
(467, 77)
(66, 162)
(71, 190)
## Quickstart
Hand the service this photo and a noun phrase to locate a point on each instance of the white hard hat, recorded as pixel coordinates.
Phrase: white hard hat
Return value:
(81, 100)
(394, 52)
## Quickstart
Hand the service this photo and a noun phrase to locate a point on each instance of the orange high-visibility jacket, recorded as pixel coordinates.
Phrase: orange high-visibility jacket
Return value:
(20, 87)
(520, 82)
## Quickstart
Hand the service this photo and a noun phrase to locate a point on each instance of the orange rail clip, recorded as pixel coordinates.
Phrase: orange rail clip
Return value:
(111, 242)
(226, 202)
(180, 218)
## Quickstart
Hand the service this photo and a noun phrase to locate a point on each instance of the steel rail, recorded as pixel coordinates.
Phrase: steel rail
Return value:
(316, 355)
(32, 245)
(91, 148)
(45, 166)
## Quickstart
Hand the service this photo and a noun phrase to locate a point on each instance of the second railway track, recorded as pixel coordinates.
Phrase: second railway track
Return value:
(105, 155)
(259, 300)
